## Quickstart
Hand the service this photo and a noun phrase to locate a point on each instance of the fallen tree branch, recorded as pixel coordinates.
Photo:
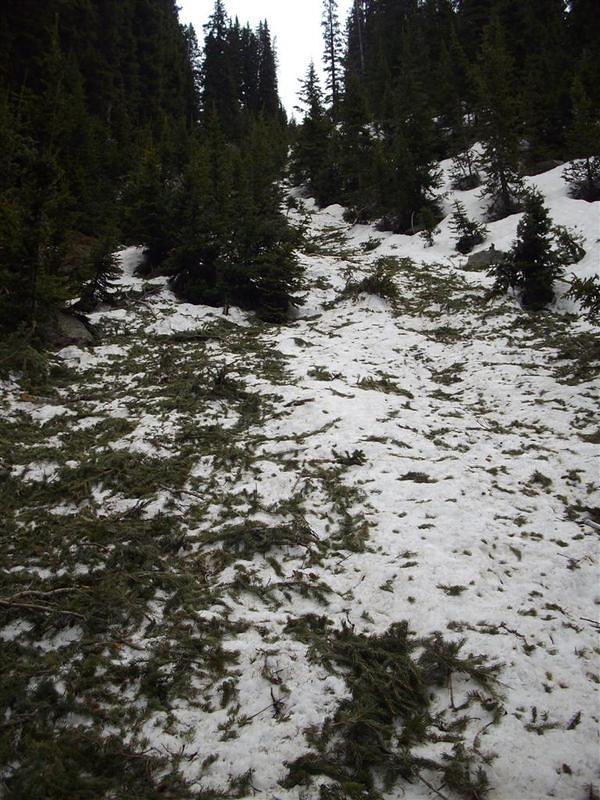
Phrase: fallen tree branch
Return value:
(35, 607)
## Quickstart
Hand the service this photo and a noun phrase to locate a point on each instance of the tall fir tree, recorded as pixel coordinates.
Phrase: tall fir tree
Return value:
(545, 70)
(473, 18)
(583, 23)
(268, 97)
(79, 78)
(102, 102)
(312, 163)
(238, 248)
(428, 79)
(498, 124)
(356, 150)
(354, 57)
(220, 87)
(332, 59)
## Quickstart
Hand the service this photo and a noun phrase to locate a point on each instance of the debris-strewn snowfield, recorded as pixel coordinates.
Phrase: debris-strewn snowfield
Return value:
(199, 483)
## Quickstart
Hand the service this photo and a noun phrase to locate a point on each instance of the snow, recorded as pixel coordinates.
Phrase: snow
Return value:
(45, 413)
(470, 467)
(186, 317)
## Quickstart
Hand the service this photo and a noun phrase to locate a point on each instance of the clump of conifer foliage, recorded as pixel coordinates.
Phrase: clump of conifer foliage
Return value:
(468, 232)
(114, 129)
(416, 81)
(232, 243)
(587, 292)
(538, 257)
(375, 739)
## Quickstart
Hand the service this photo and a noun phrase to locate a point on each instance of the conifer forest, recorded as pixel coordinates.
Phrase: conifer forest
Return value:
(300, 404)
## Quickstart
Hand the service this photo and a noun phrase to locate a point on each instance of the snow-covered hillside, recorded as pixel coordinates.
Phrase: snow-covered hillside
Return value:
(196, 509)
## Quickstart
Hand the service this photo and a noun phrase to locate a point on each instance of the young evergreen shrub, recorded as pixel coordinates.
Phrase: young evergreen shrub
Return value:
(538, 256)
(583, 174)
(380, 282)
(463, 172)
(468, 232)
(101, 263)
(587, 292)
(583, 177)
(371, 244)
(20, 354)
(428, 222)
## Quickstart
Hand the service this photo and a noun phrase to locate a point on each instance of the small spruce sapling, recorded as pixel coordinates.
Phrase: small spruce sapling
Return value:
(538, 256)
(583, 174)
(468, 232)
(463, 172)
(587, 292)
(428, 222)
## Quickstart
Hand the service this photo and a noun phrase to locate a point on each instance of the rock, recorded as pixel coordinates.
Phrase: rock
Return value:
(483, 259)
(465, 183)
(68, 328)
(390, 222)
(544, 166)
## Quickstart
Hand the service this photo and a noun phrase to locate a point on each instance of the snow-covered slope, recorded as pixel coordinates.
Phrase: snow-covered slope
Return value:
(432, 459)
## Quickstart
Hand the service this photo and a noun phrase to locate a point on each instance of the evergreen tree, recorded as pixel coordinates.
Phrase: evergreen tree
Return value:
(249, 69)
(355, 152)
(468, 232)
(414, 144)
(545, 71)
(428, 222)
(587, 292)
(220, 87)
(312, 163)
(464, 170)
(474, 18)
(17, 229)
(583, 175)
(538, 257)
(78, 78)
(195, 60)
(406, 193)
(583, 23)
(263, 243)
(148, 205)
(231, 243)
(333, 54)
(234, 245)
(268, 97)
(454, 98)
(354, 60)
(498, 124)
(203, 212)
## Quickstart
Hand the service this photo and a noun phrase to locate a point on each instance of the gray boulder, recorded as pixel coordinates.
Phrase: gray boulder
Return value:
(69, 329)
(544, 166)
(484, 259)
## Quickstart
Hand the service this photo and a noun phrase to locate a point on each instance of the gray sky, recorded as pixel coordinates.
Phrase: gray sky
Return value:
(295, 24)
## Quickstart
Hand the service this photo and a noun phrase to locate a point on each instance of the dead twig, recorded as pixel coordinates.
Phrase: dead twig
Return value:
(432, 788)
(173, 490)
(35, 607)
(514, 632)
(452, 705)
